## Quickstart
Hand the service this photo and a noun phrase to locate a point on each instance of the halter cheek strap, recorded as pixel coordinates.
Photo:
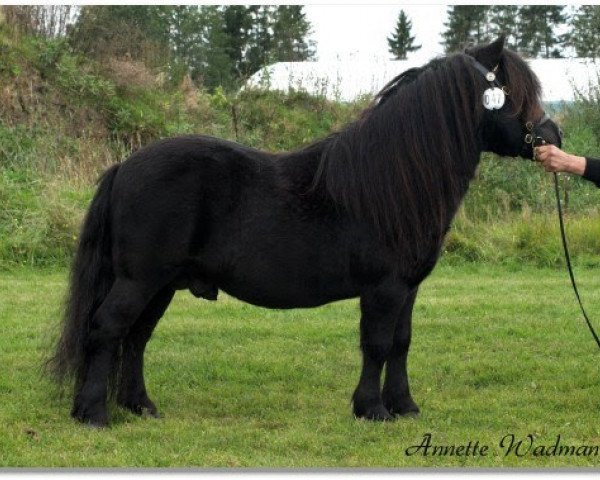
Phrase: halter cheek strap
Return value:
(490, 76)
(495, 96)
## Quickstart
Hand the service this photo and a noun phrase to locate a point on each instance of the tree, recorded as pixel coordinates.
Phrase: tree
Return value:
(585, 33)
(261, 40)
(142, 32)
(218, 65)
(260, 34)
(181, 39)
(504, 20)
(215, 45)
(237, 21)
(290, 35)
(49, 21)
(198, 44)
(538, 26)
(467, 24)
(401, 43)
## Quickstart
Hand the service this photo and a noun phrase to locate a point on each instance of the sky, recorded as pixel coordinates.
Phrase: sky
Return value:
(360, 31)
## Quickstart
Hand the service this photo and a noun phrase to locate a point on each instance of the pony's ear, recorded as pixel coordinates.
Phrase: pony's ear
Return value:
(489, 55)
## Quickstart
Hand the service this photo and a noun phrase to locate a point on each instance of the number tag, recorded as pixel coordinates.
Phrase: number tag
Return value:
(493, 98)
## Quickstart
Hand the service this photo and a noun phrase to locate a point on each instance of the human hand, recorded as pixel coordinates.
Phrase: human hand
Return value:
(553, 159)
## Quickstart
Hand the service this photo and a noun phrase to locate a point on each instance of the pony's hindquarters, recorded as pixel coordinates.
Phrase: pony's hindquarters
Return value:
(91, 278)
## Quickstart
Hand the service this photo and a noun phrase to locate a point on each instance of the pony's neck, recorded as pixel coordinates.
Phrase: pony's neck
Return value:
(405, 166)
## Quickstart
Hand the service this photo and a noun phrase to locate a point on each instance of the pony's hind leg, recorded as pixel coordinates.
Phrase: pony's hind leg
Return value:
(132, 389)
(380, 308)
(396, 392)
(124, 303)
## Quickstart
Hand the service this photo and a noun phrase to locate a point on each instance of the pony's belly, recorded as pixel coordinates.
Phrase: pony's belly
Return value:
(281, 300)
(279, 261)
(277, 291)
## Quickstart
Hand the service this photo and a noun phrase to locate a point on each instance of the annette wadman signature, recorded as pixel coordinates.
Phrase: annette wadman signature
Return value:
(509, 445)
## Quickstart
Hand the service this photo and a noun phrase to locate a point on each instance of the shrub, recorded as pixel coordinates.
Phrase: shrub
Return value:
(79, 120)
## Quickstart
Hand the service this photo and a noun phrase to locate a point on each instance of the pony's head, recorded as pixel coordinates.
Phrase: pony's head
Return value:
(513, 119)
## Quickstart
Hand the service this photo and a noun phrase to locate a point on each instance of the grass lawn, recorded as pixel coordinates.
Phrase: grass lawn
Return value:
(496, 351)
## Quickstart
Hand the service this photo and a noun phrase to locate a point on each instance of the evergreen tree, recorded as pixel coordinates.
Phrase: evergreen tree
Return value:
(261, 42)
(290, 35)
(401, 43)
(139, 31)
(467, 24)
(218, 65)
(261, 34)
(504, 20)
(538, 26)
(199, 44)
(184, 35)
(237, 21)
(585, 33)
(216, 45)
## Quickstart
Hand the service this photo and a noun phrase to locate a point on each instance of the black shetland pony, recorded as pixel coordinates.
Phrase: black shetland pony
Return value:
(362, 213)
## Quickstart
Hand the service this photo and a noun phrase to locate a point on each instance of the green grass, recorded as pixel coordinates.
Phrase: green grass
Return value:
(496, 350)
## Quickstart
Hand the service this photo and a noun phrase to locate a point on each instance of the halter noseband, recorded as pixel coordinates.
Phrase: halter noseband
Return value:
(532, 137)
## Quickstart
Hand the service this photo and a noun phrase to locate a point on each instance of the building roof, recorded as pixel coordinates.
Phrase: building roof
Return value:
(561, 78)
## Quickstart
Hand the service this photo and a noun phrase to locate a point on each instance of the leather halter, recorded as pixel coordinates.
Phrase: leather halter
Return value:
(532, 137)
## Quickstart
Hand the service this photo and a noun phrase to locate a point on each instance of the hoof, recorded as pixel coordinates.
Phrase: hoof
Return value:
(92, 417)
(152, 413)
(401, 407)
(143, 406)
(377, 413)
(96, 426)
(407, 413)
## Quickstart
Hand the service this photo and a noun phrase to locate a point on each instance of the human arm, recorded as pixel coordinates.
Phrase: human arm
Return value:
(553, 159)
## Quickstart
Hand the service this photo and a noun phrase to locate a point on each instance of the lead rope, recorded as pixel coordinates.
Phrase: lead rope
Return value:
(568, 259)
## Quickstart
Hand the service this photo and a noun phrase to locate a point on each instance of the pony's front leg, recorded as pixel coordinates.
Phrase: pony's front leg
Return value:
(396, 393)
(380, 310)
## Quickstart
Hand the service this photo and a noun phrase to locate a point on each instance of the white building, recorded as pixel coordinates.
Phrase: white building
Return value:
(343, 80)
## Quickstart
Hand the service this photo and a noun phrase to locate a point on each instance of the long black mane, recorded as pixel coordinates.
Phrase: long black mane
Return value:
(404, 165)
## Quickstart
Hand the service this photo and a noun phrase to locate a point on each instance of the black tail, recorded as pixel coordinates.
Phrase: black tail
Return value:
(92, 276)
